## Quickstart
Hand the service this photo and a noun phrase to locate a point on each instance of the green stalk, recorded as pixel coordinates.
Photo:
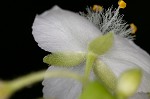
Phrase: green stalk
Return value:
(32, 78)
(91, 57)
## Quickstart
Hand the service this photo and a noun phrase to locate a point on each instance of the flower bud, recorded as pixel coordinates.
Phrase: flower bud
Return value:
(66, 59)
(101, 44)
(128, 83)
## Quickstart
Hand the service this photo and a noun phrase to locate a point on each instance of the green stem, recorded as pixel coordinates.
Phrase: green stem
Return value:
(32, 78)
(91, 57)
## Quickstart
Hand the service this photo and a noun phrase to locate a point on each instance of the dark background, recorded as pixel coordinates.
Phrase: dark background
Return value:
(19, 52)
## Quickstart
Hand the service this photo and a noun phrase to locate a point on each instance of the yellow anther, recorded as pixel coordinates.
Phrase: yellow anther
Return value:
(121, 4)
(97, 8)
(133, 28)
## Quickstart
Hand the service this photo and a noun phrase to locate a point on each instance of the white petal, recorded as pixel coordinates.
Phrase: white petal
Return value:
(125, 54)
(62, 88)
(62, 30)
(118, 66)
(140, 96)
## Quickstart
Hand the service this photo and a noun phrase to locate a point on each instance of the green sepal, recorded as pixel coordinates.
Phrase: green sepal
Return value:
(64, 58)
(128, 83)
(101, 44)
(95, 90)
(105, 74)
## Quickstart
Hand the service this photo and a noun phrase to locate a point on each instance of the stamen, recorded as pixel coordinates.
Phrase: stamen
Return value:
(133, 28)
(122, 4)
(110, 20)
(97, 8)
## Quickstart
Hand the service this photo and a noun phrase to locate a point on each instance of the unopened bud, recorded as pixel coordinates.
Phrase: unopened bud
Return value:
(129, 82)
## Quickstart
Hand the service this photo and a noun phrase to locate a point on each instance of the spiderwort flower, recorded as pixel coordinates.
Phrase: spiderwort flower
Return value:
(63, 31)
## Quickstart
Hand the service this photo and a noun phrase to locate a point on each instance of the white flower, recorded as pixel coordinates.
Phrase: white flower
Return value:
(140, 96)
(61, 30)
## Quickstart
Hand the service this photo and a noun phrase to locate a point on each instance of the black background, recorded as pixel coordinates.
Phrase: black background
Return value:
(19, 52)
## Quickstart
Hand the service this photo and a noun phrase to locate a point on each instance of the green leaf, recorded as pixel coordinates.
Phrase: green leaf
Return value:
(105, 74)
(95, 90)
(101, 44)
(129, 82)
(64, 58)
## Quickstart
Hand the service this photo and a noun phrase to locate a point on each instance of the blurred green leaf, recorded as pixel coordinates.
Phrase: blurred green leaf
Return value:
(95, 90)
